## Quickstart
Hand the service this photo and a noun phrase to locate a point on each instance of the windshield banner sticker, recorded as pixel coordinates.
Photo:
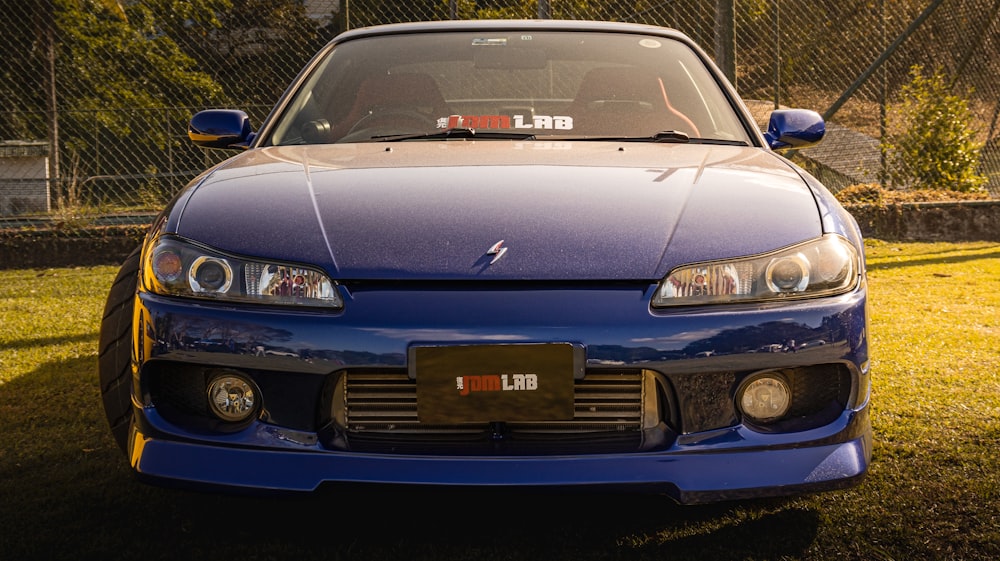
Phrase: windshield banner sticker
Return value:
(557, 122)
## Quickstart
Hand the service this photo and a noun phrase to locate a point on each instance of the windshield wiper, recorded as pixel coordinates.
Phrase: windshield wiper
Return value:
(667, 137)
(670, 136)
(460, 133)
(662, 136)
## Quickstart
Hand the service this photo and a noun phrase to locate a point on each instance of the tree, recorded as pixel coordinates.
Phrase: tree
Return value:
(23, 75)
(108, 62)
(254, 48)
(119, 79)
(936, 147)
(90, 64)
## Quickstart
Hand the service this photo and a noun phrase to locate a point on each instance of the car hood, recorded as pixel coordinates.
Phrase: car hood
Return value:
(562, 210)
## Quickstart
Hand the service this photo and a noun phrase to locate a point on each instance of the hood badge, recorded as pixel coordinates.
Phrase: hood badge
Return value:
(496, 250)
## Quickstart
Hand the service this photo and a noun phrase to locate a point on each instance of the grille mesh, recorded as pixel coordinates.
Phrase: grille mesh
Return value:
(379, 401)
(615, 411)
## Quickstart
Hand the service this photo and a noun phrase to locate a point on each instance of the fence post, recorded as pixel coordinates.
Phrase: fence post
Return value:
(544, 10)
(344, 16)
(777, 55)
(55, 174)
(725, 38)
(883, 106)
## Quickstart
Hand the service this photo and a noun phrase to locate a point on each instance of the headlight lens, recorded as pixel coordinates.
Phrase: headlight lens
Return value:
(821, 267)
(181, 268)
(211, 275)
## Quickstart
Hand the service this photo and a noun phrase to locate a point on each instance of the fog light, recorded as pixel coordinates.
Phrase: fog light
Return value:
(232, 398)
(765, 398)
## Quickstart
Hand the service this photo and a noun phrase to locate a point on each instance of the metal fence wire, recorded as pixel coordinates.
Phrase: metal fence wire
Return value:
(96, 94)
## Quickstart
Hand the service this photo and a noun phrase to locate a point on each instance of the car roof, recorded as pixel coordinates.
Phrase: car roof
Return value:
(511, 24)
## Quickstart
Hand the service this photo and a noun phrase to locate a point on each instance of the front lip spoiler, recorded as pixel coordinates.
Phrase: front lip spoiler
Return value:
(688, 478)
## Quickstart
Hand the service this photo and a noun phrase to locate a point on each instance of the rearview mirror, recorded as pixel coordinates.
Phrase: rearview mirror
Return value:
(794, 128)
(221, 128)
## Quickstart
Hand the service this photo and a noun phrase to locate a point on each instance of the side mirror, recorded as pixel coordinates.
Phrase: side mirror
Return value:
(794, 128)
(221, 128)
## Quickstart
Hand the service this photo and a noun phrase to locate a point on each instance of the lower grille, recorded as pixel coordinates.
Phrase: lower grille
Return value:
(612, 412)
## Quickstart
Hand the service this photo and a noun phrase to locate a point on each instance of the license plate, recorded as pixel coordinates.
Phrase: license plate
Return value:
(483, 383)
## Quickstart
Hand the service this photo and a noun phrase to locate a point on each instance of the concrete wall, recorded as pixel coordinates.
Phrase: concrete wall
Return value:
(952, 221)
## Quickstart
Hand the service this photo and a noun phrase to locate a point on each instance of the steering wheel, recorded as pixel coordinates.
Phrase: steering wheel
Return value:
(389, 122)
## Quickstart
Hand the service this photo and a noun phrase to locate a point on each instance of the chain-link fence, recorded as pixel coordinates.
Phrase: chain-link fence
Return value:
(96, 94)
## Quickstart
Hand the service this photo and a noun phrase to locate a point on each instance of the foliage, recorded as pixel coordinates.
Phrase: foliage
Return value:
(129, 75)
(875, 194)
(147, 68)
(22, 63)
(110, 62)
(237, 43)
(866, 193)
(937, 146)
(374, 12)
(472, 9)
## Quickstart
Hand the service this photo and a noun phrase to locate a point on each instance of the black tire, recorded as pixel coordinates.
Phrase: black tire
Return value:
(114, 361)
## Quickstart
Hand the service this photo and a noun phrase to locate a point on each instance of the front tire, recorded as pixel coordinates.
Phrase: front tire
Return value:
(114, 361)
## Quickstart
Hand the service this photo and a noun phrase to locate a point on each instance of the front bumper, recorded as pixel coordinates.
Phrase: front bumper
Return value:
(686, 476)
(712, 456)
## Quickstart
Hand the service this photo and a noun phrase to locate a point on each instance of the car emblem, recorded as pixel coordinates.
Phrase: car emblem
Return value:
(496, 250)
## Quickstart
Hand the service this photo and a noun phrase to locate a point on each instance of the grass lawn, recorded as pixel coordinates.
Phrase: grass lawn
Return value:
(933, 492)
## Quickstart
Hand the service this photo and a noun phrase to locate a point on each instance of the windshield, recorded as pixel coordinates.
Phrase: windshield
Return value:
(508, 85)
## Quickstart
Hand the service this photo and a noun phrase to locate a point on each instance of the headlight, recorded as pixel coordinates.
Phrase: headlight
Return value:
(821, 267)
(180, 268)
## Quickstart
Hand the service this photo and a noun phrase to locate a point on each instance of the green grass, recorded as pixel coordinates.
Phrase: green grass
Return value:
(932, 492)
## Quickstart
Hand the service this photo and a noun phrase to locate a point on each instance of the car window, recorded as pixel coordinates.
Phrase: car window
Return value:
(580, 85)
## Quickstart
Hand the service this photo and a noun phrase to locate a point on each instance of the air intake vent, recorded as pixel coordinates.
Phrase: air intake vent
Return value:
(612, 411)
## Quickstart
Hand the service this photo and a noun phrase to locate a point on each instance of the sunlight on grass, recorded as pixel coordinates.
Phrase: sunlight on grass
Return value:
(49, 315)
(936, 330)
(936, 396)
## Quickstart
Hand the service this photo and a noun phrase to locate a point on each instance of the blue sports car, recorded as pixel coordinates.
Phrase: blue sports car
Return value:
(498, 253)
